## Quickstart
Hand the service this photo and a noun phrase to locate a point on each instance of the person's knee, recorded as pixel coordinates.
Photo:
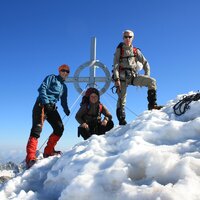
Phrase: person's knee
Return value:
(83, 132)
(152, 84)
(36, 131)
(110, 125)
(104, 129)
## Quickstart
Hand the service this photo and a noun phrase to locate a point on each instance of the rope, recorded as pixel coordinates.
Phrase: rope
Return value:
(124, 106)
(183, 105)
(75, 102)
(43, 144)
(71, 108)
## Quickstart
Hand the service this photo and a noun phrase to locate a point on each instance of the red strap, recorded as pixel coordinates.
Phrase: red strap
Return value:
(135, 51)
(100, 108)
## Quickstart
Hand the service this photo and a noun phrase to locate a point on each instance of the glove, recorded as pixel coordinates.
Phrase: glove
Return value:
(49, 107)
(67, 112)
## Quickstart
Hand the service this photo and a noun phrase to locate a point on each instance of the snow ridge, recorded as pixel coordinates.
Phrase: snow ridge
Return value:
(156, 156)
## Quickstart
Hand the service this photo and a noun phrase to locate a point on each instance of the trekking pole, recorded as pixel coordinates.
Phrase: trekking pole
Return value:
(43, 144)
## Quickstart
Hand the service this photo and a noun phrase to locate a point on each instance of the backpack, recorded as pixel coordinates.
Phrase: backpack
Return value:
(85, 99)
(120, 46)
(135, 54)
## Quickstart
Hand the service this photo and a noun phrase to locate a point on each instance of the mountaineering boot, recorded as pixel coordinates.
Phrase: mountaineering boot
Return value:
(121, 116)
(49, 149)
(152, 100)
(31, 151)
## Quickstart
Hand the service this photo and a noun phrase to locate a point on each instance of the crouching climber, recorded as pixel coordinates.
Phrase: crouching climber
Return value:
(89, 115)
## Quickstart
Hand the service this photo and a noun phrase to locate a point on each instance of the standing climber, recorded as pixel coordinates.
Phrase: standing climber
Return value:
(128, 60)
(50, 91)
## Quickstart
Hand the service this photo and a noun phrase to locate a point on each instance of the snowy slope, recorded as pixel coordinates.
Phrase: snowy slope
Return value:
(155, 157)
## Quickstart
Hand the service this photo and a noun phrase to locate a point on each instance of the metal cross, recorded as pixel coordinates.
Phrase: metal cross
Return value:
(92, 79)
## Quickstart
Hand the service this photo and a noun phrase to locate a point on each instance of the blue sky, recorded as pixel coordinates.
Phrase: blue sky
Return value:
(38, 36)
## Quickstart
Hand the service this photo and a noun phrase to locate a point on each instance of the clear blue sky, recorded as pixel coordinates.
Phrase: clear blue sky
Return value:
(38, 36)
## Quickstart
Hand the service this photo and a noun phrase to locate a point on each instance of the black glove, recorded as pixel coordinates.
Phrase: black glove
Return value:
(49, 107)
(67, 111)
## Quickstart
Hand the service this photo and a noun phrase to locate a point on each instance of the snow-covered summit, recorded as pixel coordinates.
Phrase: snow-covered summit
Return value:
(154, 157)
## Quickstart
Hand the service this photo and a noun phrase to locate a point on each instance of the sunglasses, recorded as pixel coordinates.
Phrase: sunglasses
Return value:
(64, 70)
(128, 37)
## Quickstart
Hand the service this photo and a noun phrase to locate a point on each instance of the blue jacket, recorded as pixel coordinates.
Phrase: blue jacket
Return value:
(52, 89)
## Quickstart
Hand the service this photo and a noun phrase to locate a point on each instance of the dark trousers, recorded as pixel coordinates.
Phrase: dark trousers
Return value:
(38, 118)
(99, 130)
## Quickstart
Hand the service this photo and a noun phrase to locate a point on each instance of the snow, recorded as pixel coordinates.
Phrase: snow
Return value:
(154, 157)
(8, 173)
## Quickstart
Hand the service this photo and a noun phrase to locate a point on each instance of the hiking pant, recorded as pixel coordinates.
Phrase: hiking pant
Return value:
(38, 118)
(140, 80)
(100, 130)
